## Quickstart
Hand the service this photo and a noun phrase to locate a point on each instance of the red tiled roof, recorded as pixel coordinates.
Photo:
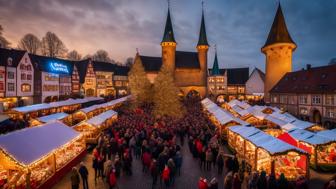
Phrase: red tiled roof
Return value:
(314, 80)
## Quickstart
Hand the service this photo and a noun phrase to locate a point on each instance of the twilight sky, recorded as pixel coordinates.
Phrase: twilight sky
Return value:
(239, 28)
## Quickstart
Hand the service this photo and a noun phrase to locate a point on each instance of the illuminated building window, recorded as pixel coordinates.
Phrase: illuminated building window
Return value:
(10, 75)
(329, 100)
(303, 111)
(25, 88)
(303, 99)
(275, 99)
(11, 87)
(283, 99)
(241, 90)
(331, 113)
(316, 99)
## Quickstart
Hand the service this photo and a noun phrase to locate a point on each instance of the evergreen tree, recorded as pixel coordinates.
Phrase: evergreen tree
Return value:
(166, 99)
(140, 87)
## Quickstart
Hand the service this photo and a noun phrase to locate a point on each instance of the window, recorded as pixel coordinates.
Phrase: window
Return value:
(29, 68)
(275, 99)
(10, 75)
(22, 67)
(11, 87)
(23, 76)
(29, 77)
(283, 99)
(2, 86)
(25, 88)
(118, 83)
(329, 100)
(303, 111)
(291, 100)
(241, 90)
(316, 99)
(331, 113)
(303, 99)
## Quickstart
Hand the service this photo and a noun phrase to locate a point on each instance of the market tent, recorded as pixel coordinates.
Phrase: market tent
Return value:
(30, 144)
(101, 118)
(285, 117)
(242, 104)
(310, 137)
(331, 134)
(289, 127)
(300, 134)
(287, 138)
(244, 131)
(275, 120)
(52, 117)
(31, 108)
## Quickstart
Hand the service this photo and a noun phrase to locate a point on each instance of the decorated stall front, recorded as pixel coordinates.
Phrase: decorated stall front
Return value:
(92, 127)
(63, 117)
(265, 152)
(39, 110)
(320, 146)
(37, 157)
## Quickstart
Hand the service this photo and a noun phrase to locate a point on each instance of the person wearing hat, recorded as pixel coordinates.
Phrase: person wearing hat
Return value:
(84, 174)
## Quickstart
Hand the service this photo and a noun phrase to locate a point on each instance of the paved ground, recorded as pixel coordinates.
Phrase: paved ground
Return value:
(190, 174)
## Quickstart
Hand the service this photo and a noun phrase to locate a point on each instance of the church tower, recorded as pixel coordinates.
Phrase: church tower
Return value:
(168, 44)
(278, 50)
(202, 48)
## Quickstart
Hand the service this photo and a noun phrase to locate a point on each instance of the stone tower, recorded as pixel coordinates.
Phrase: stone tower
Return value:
(278, 50)
(168, 45)
(202, 48)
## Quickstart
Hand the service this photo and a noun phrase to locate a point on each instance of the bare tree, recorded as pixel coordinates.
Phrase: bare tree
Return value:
(74, 55)
(101, 55)
(53, 46)
(30, 43)
(129, 62)
(3, 41)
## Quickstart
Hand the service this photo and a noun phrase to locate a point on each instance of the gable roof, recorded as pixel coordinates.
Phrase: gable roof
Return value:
(183, 59)
(16, 56)
(235, 76)
(314, 80)
(259, 72)
(279, 32)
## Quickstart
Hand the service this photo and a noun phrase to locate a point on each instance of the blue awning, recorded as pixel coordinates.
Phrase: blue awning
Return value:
(52, 117)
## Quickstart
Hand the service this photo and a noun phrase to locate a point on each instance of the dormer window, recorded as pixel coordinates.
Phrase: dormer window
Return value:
(9, 61)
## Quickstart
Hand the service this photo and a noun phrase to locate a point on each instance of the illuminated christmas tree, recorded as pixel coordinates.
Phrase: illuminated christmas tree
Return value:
(166, 99)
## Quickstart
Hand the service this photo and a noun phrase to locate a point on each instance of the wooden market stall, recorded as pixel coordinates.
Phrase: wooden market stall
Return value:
(39, 156)
(92, 127)
(63, 117)
(265, 152)
(299, 124)
(39, 110)
(321, 147)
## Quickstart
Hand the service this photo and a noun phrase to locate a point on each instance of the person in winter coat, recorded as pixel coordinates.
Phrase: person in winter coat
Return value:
(235, 164)
(146, 161)
(74, 178)
(220, 163)
(113, 180)
(95, 167)
(228, 181)
(154, 169)
(84, 174)
(107, 169)
(283, 182)
(208, 159)
(166, 176)
(202, 156)
(178, 159)
(229, 164)
(272, 183)
(172, 168)
(253, 182)
(117, 166)
(236, 182)
(202, 183)
(262, 181)
(213, 183)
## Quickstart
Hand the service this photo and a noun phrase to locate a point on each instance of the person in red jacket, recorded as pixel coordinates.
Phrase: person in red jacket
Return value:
(165, 176)
(146, 161)
(202, 183)
(113, 180)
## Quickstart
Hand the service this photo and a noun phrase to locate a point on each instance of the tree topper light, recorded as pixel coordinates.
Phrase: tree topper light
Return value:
(59, 67)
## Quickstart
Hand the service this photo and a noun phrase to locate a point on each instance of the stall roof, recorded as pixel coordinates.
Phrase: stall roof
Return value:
(275, 120)
(310, 137)
(110, 103)
(31, 108)
(30, 144)
(289, 127)
(285, 117)
(302, 124)
(52, 117)
(328, 133)
(99, 119)
(242, 104)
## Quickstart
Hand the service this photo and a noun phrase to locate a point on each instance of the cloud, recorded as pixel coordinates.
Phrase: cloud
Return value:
(239, 28)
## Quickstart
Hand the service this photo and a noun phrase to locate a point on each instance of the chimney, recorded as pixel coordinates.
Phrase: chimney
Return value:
(308, 66)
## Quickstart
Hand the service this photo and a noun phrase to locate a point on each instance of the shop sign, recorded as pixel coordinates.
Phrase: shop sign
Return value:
(57, 67)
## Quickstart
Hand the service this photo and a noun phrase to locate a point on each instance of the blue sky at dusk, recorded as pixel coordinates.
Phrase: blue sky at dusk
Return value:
(239, 28)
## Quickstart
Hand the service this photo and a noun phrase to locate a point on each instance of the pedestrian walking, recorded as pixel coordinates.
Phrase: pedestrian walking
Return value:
(84, 175)
(208, 159)
(262, 181)
(154, 172)
(178, 159)
(166, 176)
(74, 178)
(113, 180)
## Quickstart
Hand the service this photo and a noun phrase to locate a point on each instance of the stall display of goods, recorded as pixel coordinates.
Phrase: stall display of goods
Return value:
(326, 154)
(63, 156)
(291, 165)
(40, 174)
(264, 161)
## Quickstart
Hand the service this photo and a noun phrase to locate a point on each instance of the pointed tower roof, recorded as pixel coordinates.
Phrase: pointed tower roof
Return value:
(279, 32)
(202, 40)
(215, 67)
(168, 35)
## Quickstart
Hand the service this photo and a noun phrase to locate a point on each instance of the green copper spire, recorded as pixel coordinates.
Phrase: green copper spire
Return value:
(279, 32)
(202, 40)
(215, 67)
(168, 35)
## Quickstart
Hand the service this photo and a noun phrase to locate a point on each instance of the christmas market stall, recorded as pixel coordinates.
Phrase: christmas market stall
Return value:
(38, 157)
(93, 126)
(321, 147)
(63, 117)
(299, 124)
(265, 152)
